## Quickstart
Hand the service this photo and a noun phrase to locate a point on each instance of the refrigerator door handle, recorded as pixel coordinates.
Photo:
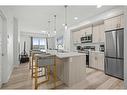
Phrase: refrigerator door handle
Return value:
(120, 44)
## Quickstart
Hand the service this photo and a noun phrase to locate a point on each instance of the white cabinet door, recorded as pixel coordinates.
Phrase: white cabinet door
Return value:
(96, 60)
(108, 24)
(95, 34)
(92, 60)
(122, 21)
(114, 23)
(86, 31)
(101, 33)
(75, 40)
(101, 61)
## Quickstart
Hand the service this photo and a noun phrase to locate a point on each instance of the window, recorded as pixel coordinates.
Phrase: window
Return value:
(39, 43)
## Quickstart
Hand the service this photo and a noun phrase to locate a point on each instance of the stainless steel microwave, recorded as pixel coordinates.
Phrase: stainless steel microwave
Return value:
(86, 39)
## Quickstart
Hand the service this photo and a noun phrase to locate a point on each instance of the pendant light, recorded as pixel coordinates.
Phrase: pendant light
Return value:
(65, 17)
(54, 24)
(49, 28)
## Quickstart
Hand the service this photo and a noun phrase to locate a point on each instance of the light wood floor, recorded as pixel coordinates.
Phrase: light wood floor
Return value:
(21, 79)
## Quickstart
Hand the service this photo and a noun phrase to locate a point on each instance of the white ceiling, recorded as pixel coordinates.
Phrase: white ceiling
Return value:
(35, 18)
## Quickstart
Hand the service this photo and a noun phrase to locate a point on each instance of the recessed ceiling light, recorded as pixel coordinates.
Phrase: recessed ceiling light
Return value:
(75, 18)
(55, 32)
(63, 24)
(98, 6)
(43, 32)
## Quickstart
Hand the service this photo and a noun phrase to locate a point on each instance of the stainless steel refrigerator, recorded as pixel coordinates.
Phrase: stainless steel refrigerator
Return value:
(114, 53)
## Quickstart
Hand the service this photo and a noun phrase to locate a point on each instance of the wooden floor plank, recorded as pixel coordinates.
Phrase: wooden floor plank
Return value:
(95, 79)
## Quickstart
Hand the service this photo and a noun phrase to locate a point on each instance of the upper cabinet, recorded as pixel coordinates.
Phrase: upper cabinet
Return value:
(98, 33)
(95, 34)
(101, 33)
(81, 33)
(86, 31)
(76, 37)
(122, 21)
(114, 23)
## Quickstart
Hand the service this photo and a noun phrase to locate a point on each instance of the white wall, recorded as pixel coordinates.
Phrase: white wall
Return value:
(7, 65)
(16, 50)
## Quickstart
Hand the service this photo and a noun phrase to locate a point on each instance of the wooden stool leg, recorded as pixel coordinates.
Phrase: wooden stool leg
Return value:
(29, 62)
(55, 76)
(36, 76)
(48, 71)
(32, 68)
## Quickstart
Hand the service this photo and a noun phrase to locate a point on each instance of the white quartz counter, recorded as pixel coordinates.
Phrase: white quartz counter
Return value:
(65, 55)
(97, 52)
(70, 54)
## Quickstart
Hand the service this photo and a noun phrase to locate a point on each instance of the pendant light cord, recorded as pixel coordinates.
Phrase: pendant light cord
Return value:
(54, 23)
(65, 15)
(49, 27)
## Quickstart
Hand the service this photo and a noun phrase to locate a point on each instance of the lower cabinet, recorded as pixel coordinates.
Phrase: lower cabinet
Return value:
(96, 60)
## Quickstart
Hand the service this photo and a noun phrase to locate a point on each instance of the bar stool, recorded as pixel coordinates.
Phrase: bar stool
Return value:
(47, 61)
(32, 66)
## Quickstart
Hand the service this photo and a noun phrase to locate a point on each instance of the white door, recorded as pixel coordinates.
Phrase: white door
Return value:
(0, 50)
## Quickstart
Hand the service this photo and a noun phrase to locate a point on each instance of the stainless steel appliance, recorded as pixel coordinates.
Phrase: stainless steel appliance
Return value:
(114, 53)
(86, 39)
(79, 47)
(101, 49)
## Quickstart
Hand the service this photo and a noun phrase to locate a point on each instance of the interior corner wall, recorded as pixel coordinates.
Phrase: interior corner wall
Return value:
(16, 50)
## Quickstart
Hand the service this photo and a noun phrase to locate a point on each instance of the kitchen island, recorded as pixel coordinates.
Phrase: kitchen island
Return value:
(71, 67)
